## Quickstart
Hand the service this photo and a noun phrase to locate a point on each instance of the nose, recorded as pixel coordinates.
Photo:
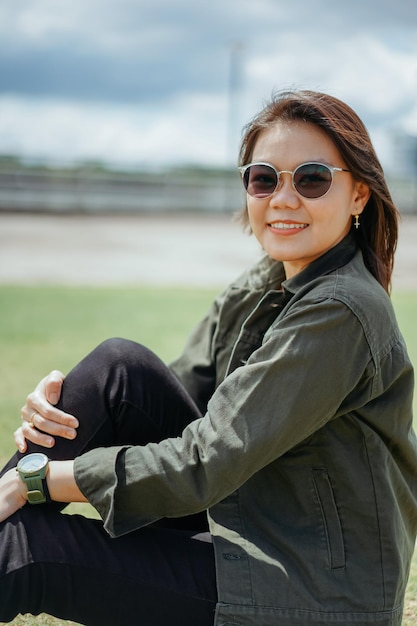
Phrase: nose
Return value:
(285, 194)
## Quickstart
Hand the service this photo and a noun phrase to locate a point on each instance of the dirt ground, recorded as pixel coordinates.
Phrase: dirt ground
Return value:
(205, 250)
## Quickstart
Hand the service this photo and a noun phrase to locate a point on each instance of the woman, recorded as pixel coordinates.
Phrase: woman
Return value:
(288, 419)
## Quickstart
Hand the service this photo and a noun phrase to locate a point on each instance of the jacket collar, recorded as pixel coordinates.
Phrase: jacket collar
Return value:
(270, 274)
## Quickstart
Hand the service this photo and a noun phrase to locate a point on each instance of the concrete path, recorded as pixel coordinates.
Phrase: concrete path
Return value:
(206, 250)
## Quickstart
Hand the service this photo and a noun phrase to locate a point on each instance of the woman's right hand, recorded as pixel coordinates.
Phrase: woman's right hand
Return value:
(40, 414)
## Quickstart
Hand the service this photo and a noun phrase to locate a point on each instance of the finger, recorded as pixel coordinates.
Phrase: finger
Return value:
(53, 386)
(20, 440)
(36, 403)
(52, 427)
(35, 436)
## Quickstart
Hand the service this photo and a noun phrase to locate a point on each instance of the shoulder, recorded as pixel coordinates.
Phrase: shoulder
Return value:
(351, 283)
(354, 285)
(353, 288)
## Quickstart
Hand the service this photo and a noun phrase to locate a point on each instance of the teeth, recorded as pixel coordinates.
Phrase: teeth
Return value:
(285, 226)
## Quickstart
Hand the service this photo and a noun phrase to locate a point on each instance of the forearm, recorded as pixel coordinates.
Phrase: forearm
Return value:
(61, 482)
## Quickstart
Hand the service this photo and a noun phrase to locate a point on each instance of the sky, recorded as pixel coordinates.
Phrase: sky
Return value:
(152, 83)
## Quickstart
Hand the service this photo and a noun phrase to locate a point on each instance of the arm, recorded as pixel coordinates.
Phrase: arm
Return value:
(305, 374)
(61, 484)
(40, 413)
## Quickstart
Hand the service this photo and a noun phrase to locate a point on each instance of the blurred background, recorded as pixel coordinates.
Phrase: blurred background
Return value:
(124, 106)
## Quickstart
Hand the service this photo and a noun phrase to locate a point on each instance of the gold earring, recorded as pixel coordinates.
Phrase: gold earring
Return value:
(356, 224)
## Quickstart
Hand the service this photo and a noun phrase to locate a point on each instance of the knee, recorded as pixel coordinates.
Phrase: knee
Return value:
(115, 346)
(116, 350)
(122, 352)
(115, 358)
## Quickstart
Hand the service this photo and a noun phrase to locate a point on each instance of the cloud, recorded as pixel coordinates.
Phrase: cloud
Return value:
(376, 78)
(122, 52)
(73, 131)
(140, 80)
(130, 51)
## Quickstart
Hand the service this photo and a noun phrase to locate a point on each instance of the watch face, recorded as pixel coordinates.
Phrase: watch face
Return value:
(33, 462)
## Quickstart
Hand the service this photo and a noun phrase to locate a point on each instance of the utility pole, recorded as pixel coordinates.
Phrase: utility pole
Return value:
(231, 197)
(234, 95)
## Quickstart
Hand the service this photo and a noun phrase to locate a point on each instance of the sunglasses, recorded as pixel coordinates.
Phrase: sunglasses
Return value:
(310, 180)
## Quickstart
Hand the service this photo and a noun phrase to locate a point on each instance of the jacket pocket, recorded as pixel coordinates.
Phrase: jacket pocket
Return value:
(330, 518)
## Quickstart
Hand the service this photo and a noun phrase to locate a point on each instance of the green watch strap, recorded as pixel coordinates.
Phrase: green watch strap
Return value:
(36, 489)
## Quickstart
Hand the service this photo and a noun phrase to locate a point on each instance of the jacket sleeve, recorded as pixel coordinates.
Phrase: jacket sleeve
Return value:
(314, 365)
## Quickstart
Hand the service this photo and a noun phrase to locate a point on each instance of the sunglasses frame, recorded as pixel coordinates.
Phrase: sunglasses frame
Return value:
(243, 169)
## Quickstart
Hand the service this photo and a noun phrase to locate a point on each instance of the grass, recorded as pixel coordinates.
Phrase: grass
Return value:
(49, 327)
(45, 328)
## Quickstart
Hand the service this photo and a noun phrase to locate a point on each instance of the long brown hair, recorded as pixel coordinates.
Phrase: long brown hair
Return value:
(378, 233)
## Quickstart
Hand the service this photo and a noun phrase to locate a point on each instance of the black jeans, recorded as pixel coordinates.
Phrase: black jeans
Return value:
(67, 565)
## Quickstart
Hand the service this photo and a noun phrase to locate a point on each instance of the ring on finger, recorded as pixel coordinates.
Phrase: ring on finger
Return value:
(32, 417)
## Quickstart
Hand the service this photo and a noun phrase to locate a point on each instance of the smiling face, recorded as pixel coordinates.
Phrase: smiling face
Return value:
(291, 228)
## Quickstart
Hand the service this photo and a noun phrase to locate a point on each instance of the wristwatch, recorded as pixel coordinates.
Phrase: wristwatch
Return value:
(33, 469)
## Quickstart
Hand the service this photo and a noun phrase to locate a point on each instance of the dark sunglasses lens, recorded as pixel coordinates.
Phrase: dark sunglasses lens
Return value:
(312, 180)
(260, 181)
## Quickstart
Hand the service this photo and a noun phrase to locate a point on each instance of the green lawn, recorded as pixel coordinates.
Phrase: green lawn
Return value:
(47, 327)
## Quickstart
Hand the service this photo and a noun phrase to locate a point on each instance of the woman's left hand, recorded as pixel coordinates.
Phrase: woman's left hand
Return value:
(12, 494)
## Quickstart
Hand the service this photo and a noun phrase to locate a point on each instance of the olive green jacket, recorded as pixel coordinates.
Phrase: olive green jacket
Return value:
(305, 458)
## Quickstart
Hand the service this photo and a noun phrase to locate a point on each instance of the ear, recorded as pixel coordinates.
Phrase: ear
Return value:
(361, 196)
